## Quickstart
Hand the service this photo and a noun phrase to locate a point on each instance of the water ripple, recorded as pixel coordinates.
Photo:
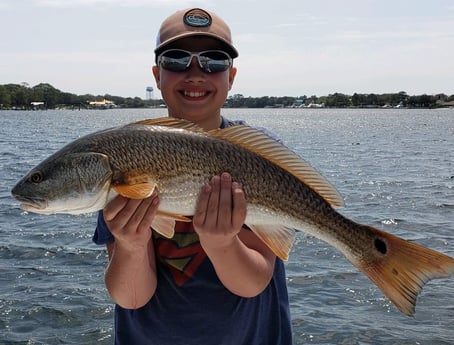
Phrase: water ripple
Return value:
(393, 168)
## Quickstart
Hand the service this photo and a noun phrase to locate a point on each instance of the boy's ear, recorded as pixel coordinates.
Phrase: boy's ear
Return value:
(232, 74)
(157, 77)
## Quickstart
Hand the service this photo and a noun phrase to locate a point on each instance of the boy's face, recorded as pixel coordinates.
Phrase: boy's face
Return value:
(193, 94)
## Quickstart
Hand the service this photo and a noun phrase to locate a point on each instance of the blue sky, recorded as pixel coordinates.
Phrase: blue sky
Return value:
(287, 48)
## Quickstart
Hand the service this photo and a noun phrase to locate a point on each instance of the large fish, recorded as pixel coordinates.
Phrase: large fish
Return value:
(283, 193)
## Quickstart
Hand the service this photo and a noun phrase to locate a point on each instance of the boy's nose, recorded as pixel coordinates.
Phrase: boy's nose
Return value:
(194, 70)
(194, 63)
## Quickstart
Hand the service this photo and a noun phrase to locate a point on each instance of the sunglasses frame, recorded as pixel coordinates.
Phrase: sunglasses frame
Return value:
(191, 55)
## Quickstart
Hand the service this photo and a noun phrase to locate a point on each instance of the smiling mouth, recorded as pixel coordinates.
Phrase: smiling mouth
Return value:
(194, 94)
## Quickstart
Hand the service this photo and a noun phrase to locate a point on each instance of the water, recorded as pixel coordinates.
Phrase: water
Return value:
(395, 169)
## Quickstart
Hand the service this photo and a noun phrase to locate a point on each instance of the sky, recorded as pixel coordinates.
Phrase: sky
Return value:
(287, 48)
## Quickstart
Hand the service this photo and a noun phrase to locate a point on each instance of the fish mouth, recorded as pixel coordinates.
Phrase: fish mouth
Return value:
(31, 204)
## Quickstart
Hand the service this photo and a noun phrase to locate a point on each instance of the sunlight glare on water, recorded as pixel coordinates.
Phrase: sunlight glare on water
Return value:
(393, 167)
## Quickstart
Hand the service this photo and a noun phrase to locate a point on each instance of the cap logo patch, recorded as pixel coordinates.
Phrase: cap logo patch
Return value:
(197, 18)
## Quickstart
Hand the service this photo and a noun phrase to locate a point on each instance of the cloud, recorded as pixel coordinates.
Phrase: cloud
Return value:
(111, 3)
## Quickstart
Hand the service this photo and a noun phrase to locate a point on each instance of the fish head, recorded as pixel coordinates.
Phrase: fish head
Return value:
(71, 183)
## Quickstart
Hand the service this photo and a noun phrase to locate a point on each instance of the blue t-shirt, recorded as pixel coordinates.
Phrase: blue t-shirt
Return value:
(192, 306)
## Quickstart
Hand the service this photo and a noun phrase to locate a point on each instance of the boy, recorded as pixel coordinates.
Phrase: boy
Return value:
(214, 282)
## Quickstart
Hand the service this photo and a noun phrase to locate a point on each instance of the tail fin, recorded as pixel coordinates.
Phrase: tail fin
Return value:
(403, 268)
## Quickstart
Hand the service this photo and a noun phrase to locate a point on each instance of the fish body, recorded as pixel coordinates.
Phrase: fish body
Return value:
(283, 193)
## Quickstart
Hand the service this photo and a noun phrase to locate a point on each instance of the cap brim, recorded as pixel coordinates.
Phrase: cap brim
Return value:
(230, 49)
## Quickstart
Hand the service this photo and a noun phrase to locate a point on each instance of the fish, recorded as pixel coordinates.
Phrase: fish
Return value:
(284, 194)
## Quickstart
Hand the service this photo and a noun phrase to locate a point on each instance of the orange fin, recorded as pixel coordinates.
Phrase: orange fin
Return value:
(173, 216)
(171, 122)
(164, 226)
(164, 223)
(401, 268)
(263, 145)
(277, 237)
(135, 191)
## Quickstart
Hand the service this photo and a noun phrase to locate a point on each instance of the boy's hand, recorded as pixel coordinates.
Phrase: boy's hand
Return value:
(220, 212)
(131, 274)
(130, 220)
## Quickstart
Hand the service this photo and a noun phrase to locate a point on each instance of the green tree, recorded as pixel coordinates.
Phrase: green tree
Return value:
(46, 93)
(359, 100)
(20, 95)
(338, 100)
(5, 98)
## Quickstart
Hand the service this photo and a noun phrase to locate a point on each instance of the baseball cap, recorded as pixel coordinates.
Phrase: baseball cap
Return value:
(194, 22)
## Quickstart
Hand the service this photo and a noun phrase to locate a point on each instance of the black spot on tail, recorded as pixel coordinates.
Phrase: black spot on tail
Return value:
(380, 246)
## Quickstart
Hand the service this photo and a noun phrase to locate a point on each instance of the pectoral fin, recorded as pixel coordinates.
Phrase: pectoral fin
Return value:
(135, 191)
(277, 237)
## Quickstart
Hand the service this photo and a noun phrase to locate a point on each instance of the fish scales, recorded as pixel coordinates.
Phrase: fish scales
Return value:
(283, 193)
(199, 157)
(165, 154)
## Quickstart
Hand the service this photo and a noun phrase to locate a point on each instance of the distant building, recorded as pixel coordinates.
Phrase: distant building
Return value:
(38, 105)
(449, 104)
(104, 104)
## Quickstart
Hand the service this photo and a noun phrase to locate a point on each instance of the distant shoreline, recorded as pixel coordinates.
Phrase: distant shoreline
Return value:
(45, 96)
(282, 108)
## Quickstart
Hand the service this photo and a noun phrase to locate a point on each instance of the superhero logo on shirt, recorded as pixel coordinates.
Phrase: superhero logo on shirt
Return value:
(182, 254)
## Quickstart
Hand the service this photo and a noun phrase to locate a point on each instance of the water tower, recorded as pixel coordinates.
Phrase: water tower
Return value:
(149, 93)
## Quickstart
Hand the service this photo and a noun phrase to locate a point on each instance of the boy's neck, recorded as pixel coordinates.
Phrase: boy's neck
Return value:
(212, 122)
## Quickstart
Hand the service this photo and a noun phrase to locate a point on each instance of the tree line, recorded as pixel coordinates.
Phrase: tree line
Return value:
(340, 100)
(22, 96)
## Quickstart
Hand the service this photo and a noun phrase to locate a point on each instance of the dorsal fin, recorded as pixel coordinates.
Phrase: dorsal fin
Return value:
(268, 148)
(171, 122)
(263, 145)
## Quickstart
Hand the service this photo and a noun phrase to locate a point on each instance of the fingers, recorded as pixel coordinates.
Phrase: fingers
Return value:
(212, 210)
(239, 205)
(201, 207)
(225, 197)
(114, 207)
(221, 205)
(218, 204)
(129, 214)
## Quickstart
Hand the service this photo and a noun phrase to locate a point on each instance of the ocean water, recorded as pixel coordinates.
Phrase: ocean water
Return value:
(394, 168)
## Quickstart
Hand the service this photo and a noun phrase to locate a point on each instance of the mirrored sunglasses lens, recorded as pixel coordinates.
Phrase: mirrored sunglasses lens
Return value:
(214, 61)
(174, 60)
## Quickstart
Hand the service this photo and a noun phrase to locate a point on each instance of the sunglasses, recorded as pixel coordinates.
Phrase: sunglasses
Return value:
(210, 61)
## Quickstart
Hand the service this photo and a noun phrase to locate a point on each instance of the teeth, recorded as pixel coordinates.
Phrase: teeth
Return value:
(194, 93)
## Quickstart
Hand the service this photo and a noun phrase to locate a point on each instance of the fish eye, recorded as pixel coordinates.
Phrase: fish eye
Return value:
(37, 177)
